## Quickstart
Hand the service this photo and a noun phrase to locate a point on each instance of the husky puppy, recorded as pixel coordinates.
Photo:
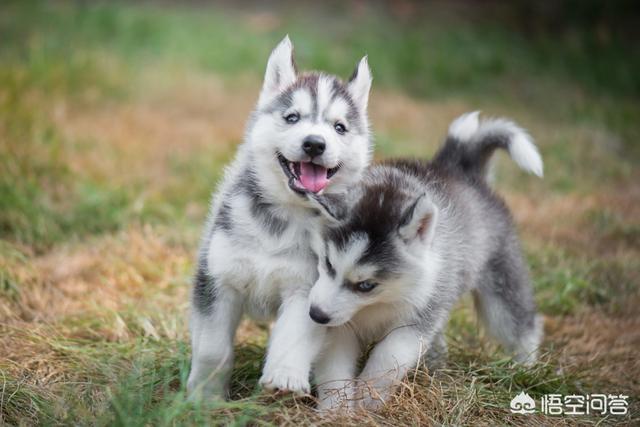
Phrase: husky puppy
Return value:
(417, 236)
(309, 133)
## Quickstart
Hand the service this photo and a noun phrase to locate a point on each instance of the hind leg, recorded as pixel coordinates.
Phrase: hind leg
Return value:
(504, 300)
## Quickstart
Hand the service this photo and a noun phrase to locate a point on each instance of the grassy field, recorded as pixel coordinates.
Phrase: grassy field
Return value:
(116, 121)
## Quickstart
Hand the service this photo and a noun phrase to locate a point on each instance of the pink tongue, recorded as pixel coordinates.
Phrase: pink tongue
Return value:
(313, 177)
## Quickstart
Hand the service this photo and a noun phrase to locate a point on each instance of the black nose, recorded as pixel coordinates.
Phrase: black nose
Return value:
(318, 315)
(314, 145)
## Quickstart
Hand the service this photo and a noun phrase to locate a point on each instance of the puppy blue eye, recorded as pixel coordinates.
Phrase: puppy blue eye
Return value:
(365, 286)
(292, 118)
(340, 128)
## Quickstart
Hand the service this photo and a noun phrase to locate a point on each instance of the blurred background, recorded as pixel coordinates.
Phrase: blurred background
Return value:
(117, 118)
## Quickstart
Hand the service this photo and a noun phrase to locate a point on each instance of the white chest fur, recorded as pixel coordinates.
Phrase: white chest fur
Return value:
(263, 266)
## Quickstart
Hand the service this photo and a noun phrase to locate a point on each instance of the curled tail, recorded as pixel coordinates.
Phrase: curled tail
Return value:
(471, 143)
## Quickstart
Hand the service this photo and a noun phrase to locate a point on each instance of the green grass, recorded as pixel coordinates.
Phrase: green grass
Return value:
(142, 383)
(424, 56)
(576, 89)
(99, 52)
(562, 283)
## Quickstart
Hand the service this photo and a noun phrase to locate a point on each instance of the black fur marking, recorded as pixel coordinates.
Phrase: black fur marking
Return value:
(384, 207)
(204, 289)
(261, 209)
(264, 211)
(334, 205)
(407, 216)
(223, 219)
(284, 101)
(413, 167)
(353, 115)
(331, 271)
(313, 91)
(309, 81)
(381, 254)
(281, 103)
(376, 216)
(470, 158)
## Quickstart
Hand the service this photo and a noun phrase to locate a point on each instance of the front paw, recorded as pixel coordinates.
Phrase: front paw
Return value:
(285, 380)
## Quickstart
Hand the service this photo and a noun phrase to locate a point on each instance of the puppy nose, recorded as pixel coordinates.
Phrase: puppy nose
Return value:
(318, 315)
(314, 145)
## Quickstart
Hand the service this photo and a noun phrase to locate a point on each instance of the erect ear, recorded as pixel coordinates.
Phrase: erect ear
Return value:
(360, 84)
(281, 71)
(418, 222)
(333, 208)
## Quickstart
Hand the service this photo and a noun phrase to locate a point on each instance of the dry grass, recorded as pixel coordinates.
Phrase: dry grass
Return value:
(93, 320)
(132, 285)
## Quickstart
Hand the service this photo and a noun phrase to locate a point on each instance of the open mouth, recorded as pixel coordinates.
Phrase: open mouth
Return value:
(306, 176)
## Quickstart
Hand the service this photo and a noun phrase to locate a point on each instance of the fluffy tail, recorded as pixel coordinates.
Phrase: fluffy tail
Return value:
(471, 143)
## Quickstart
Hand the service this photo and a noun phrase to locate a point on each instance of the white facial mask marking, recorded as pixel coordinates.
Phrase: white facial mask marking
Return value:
(325, 89)
(302, 102)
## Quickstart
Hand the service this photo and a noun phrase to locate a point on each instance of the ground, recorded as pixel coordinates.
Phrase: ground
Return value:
(116, 122)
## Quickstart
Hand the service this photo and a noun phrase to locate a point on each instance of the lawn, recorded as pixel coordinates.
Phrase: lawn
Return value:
(116, 121)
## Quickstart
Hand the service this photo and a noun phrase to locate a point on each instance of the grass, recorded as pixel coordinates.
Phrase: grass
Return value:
(116, 121)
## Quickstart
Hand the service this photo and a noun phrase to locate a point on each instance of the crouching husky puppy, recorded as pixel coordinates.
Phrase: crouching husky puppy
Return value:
(309, 133)
(416, 237)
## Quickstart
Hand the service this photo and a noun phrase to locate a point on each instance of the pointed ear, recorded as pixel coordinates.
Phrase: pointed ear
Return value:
(360, 84)
(333, 208)
(281, 71)
(418, 221)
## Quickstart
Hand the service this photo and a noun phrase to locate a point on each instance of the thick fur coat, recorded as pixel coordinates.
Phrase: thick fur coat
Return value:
(308, 133)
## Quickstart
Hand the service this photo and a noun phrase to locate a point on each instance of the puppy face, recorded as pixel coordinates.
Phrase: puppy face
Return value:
(379, 255)
(353, 275)
(310, 132)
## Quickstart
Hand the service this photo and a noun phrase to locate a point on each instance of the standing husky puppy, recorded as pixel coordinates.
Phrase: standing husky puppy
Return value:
(417, 237)
(309, 133)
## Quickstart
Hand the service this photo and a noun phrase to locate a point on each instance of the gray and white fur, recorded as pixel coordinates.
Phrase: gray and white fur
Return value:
(416, 237)
(309, 133)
